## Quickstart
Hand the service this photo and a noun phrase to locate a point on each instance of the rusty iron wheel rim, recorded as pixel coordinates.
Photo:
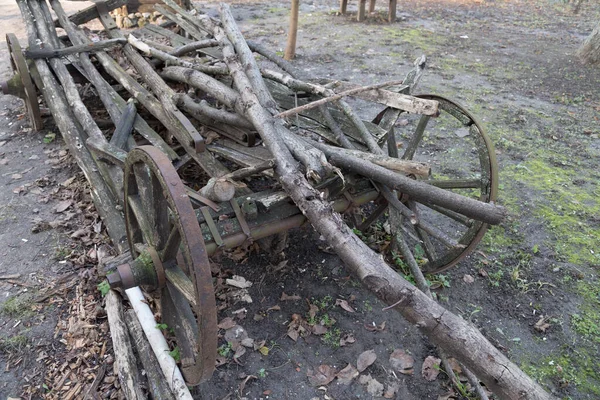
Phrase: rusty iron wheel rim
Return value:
(488, 191)
(19, 65)
(195, 327)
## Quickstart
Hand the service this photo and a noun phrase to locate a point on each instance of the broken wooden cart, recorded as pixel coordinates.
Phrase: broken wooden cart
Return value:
(223, 155)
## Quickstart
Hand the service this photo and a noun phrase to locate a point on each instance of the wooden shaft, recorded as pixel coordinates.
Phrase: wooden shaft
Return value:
(290, 49)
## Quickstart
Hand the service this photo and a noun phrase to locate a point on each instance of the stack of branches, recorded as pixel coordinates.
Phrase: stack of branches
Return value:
(244, 103)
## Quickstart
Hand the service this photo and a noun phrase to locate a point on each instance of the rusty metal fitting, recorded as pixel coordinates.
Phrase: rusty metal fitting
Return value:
(122, 278)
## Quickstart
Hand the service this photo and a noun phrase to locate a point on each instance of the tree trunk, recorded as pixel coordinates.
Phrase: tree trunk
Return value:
(589, 52)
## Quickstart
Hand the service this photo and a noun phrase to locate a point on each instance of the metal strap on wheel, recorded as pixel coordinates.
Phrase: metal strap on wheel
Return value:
(240, 217)
(211, 226)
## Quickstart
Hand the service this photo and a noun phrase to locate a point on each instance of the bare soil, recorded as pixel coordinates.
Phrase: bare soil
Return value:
(534, 291)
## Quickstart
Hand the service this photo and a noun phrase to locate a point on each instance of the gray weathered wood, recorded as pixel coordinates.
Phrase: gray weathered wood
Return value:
(74, 137)
(127, 371)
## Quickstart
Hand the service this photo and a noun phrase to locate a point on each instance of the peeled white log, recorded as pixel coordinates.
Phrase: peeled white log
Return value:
(158, 343)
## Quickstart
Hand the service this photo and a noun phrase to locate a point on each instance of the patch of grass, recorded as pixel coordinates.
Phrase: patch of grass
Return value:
(224, 350)
(176, 354)
(103, 288)
(332, 337)
(13, 343)
(18, 306)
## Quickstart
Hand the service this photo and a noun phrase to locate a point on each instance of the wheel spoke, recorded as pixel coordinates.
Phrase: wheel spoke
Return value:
(456, 183)
(182, 283)
(439, 235)
(451, 214)
(424, 236)
(169, 252)
(154, 204)
(140, 216)
(416, 139)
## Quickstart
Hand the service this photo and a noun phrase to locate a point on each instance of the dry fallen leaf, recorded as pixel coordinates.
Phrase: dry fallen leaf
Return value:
(374, 387)
(431, 368)
(344, 304)
(63, 206)
(447, 396)
(365, 359)
(319, 329)
(402, 362)
(455, 365)
(227, 323)
(391, 390)
(264, 350)
(321, 376)
(347, 339)
(375, 328)
(285, 297)
(468, 278)
(238, 282)
(542, 325)
(346, 375)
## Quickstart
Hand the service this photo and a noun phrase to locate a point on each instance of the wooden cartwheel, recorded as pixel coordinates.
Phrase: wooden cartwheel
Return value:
(21, 84)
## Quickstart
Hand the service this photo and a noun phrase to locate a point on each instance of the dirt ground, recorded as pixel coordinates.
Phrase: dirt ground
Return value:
(534, 291)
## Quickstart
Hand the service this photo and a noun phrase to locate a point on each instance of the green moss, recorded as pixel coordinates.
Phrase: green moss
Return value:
(564, 204)
(13, 343)
(18, 306)
(567, 368)
(587, 321)
(422, 39)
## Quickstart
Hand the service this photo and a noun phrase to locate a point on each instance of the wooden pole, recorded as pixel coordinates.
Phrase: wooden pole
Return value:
(362, 5)
(290, 49)
(343, 6)
(372, 6)
(392, 12)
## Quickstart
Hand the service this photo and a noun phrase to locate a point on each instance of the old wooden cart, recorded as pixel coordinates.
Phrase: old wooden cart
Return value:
(192, 167)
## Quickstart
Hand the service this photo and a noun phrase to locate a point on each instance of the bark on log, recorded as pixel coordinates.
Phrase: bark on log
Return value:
(92, 47)
(589, 52)
(416, 168)
(444, 328)
(127, 371)
(156, 380)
